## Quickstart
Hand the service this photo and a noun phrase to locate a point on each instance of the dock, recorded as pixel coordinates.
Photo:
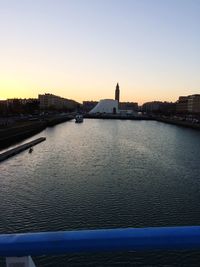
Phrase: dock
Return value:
(14, 151)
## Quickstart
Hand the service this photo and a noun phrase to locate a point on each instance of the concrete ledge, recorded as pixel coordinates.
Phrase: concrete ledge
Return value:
(21, 148)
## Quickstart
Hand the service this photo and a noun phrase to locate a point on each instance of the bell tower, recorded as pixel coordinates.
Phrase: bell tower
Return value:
(117, 93)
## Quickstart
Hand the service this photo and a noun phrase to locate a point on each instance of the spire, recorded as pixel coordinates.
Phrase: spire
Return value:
(117, 92)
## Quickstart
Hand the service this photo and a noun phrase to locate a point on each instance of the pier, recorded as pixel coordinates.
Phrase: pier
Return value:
(17, 150)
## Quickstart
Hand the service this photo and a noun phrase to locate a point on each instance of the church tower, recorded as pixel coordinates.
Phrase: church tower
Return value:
(117, 92)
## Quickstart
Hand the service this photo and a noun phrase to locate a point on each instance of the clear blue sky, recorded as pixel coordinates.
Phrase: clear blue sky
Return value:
(81, 48)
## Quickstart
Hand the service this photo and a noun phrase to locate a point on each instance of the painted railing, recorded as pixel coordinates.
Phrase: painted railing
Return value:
(128, 239)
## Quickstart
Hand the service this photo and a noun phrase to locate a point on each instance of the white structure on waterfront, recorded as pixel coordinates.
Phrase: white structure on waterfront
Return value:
(111, 106)
(108, 106)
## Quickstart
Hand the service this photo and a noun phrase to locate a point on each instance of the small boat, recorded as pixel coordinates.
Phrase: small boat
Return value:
(79, 118)
(30, 150)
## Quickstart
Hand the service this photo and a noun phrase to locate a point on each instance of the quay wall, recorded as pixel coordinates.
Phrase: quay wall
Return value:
(116, 117)
(187, 124)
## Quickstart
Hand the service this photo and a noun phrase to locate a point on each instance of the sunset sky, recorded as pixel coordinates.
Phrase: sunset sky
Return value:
(80, 49)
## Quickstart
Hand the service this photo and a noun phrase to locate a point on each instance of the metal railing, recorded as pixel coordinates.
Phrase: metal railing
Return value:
(128, 239)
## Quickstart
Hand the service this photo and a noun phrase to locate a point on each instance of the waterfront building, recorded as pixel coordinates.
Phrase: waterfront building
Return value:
(50, 101)
(107, 106)
(188, 104)
(129, 106)
(22, 105)
(194, 103)
(111, 106)
(182, 104)
(89, 105)
(3, 107)
(3, 104)
(151, 107)
(21, 101)
(159, 107)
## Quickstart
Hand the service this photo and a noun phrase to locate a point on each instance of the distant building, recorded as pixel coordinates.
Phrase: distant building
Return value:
(3, 106)
(130, 106)
(21, 101)
(89, 105)
(50, 101)
(182, 104)
(159, 107)
(151, 107)
(117, 93)
(3, 103)
(168, 108)
(194, 103)
(188, 104)
(113, 106)
(107, 106)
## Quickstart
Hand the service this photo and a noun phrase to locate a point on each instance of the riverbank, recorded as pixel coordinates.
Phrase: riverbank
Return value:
(177, 122)
(21, 130)
(174, 121)
(117, 117)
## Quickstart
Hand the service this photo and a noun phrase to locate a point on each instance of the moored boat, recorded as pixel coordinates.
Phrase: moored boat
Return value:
(79, 118)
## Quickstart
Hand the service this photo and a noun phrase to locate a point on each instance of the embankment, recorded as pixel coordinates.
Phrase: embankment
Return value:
(187, 124)
(116, 117)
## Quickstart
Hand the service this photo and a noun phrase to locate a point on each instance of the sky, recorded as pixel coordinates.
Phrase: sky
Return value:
(80, 49)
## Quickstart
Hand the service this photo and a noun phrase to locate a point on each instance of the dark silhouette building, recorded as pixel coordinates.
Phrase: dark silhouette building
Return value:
(89, 105)
(117, 93)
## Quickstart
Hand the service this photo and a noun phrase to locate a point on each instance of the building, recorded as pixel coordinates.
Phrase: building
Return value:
(89, 105)
(129, 106)
(194, 103)
(22, 101)
(182, 105)
(188, 104)
(107, 106)
(3, 106)
(50, 101)
(111, 106)
(151, 107)
(159, 107)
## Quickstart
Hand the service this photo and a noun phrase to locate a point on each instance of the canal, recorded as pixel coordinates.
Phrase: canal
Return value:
(105, 174)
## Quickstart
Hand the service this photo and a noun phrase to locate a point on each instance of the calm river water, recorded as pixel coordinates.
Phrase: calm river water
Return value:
(105, 174)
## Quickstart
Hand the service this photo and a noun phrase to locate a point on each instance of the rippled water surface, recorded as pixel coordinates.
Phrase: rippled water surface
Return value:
(105, 174)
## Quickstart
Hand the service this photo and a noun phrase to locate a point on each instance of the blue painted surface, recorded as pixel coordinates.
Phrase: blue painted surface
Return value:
(51, 243)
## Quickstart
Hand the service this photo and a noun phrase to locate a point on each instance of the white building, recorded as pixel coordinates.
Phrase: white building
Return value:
(108, 106)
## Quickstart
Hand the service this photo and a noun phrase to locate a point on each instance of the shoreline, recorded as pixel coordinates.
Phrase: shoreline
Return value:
(186, 124)
(117, 117)
(176, 122)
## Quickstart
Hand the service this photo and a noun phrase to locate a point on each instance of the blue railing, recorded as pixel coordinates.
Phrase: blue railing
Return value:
(129, 239)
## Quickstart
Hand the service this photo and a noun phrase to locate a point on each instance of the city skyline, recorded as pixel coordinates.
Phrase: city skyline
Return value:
(81, 49)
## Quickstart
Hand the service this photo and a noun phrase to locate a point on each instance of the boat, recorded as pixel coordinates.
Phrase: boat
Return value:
(30, 150)
(79, 118)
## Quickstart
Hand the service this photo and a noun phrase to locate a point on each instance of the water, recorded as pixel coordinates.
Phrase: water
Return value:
(105, 174)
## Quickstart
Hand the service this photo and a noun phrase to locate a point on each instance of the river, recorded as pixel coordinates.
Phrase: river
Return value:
(105, 174)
